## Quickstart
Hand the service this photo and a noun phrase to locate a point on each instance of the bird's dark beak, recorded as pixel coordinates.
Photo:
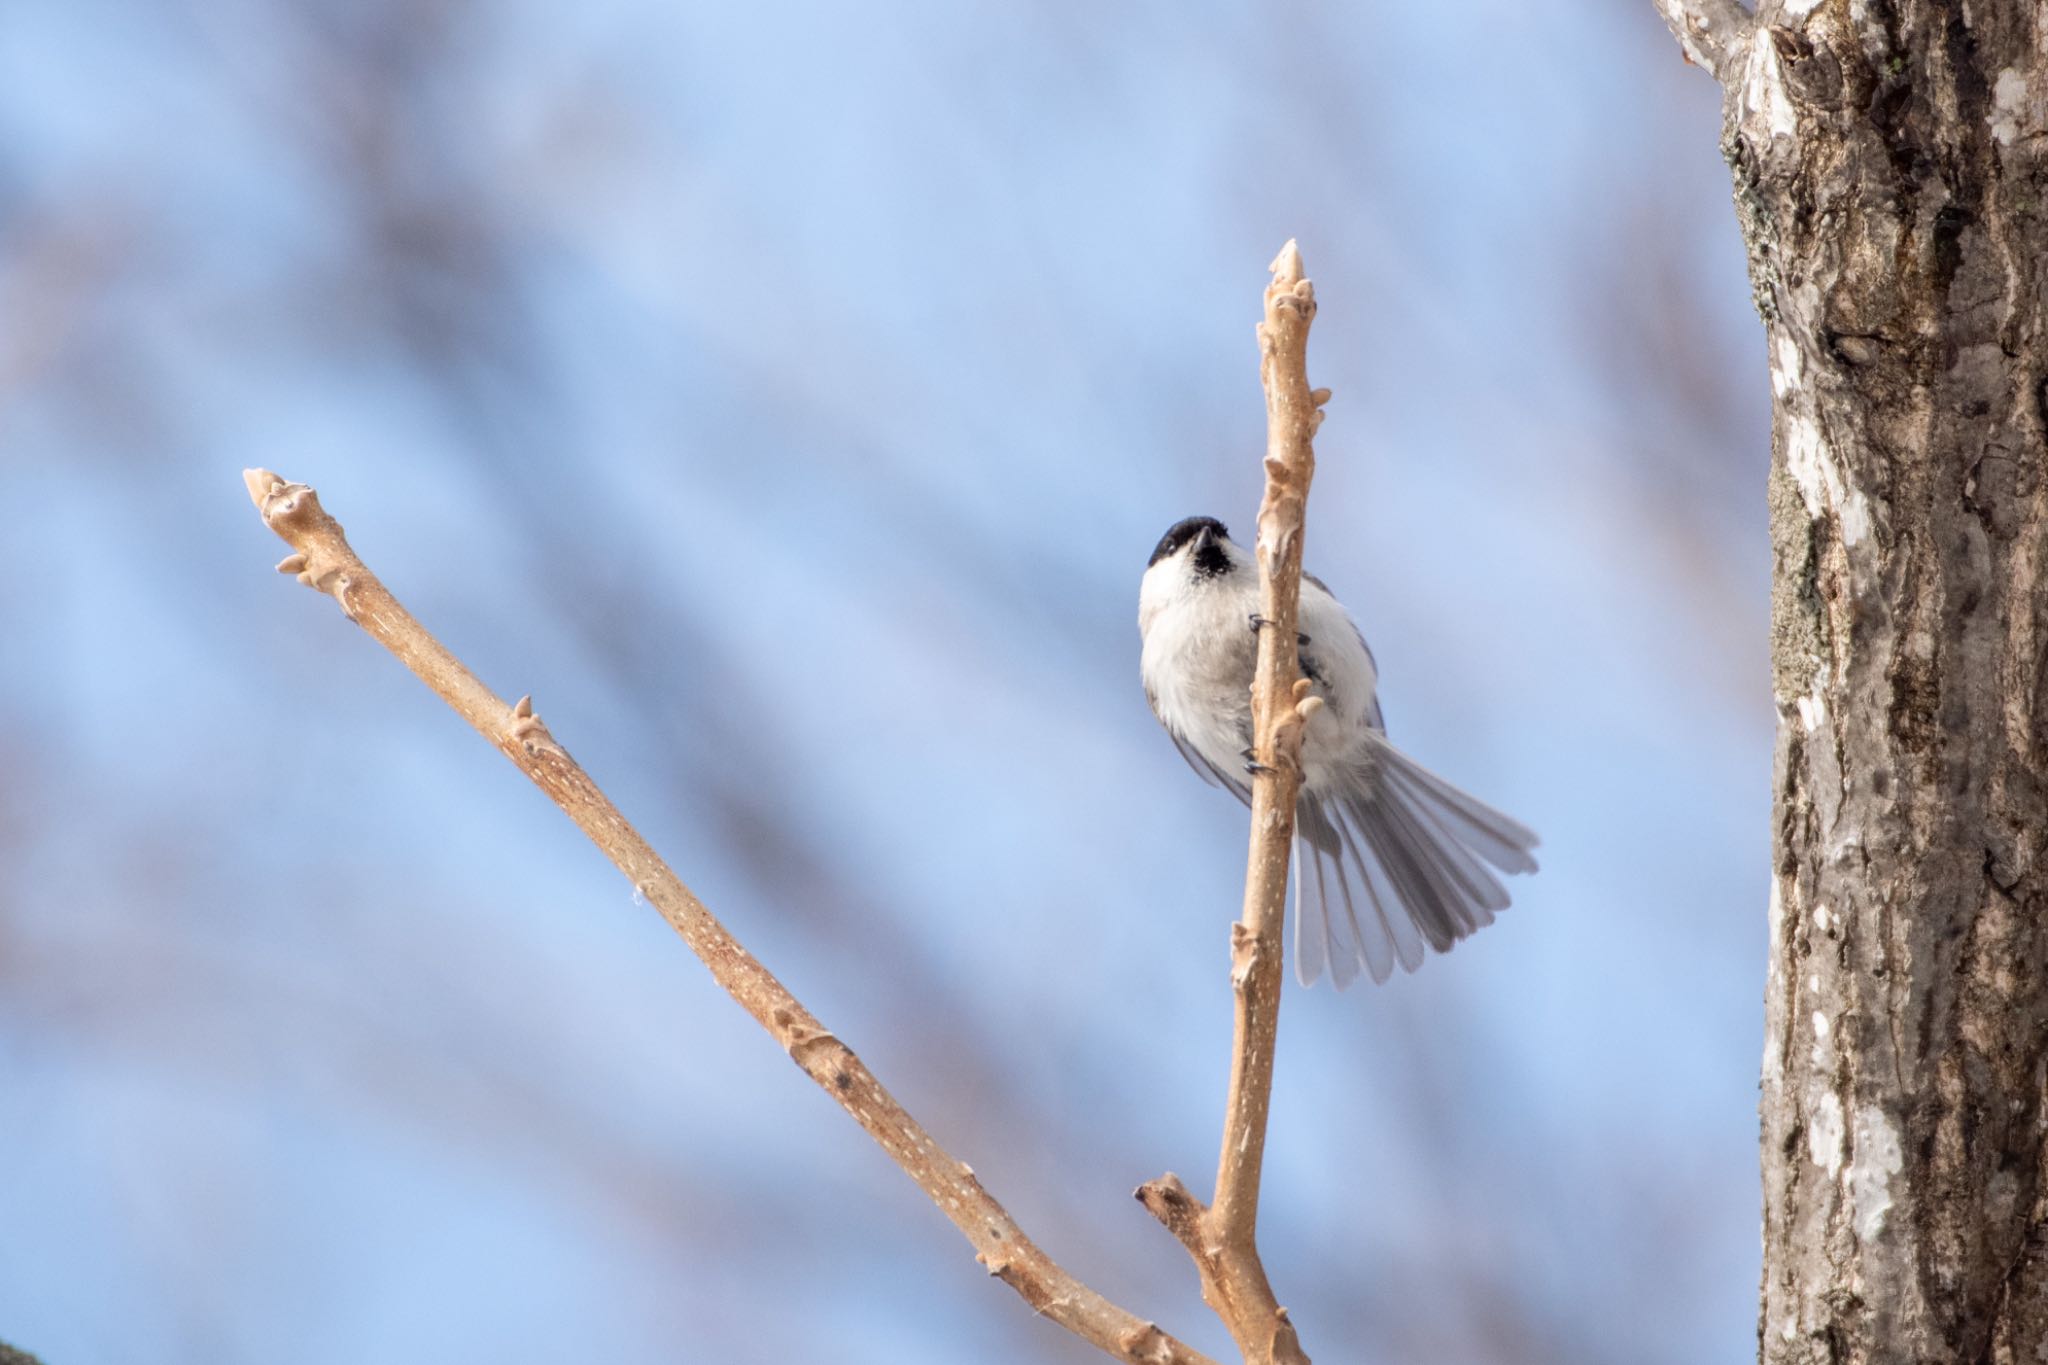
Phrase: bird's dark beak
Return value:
(1206, 554)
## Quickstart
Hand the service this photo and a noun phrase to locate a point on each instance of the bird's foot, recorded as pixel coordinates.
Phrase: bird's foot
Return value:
(1259, 623)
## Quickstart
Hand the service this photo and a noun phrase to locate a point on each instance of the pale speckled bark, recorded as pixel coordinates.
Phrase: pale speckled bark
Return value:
(1890, 159)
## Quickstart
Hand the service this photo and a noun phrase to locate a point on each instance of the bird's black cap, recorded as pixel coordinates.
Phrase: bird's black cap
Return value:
(1184, 531)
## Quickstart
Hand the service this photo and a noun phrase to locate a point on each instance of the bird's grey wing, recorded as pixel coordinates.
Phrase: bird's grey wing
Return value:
(1379, 717)
(1310, 670)
(1208, 771)
(1204, 769)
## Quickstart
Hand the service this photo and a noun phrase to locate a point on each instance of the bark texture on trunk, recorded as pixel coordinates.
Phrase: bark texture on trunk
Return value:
(1890, 165)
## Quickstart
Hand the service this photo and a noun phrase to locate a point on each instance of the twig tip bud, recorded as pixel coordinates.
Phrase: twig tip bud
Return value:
(1286, 267)
(259, 482)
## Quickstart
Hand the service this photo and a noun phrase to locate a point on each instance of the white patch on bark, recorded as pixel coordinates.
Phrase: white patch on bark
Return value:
(1877, 1160)
(1869, 27)
(1764, 91)
(1813, 711)
(1824, 1134)
(1799, 9)
(1807, 461)
(1855, 518)
(1820, 481)
(1787, 366)
(1820, 913)
(2009, 94)
(1820, 1025)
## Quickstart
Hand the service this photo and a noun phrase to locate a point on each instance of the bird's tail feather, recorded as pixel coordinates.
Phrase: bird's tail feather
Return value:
(1398, 860)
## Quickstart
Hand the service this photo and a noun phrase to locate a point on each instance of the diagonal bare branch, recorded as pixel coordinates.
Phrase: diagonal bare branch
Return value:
(322, 559)
(1714, 33)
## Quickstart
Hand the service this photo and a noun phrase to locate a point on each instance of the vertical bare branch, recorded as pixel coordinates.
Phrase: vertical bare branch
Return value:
(1279, 705)
(1223, 1237)
(322, 559)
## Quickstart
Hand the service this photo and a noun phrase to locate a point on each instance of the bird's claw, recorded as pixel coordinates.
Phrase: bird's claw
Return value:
(1259, 623)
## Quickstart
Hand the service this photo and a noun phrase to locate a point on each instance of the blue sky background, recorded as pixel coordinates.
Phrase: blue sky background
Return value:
(787, 396)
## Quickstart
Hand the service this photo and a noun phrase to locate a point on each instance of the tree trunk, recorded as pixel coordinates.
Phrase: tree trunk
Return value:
(1889, 164)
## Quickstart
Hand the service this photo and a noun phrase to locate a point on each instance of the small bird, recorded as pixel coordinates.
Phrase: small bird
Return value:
(1388, 856)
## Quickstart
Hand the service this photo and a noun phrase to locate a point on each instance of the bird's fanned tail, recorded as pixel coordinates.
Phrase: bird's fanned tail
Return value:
(1398, 860)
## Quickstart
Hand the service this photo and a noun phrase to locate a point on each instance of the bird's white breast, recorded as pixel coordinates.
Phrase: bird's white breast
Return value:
(1200, 654)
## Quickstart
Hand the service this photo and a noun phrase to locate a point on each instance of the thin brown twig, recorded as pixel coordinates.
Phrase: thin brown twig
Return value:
(1223, 1238)
(322, 559)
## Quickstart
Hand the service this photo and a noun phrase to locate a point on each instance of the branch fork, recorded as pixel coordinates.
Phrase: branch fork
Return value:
(1233, 1281)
